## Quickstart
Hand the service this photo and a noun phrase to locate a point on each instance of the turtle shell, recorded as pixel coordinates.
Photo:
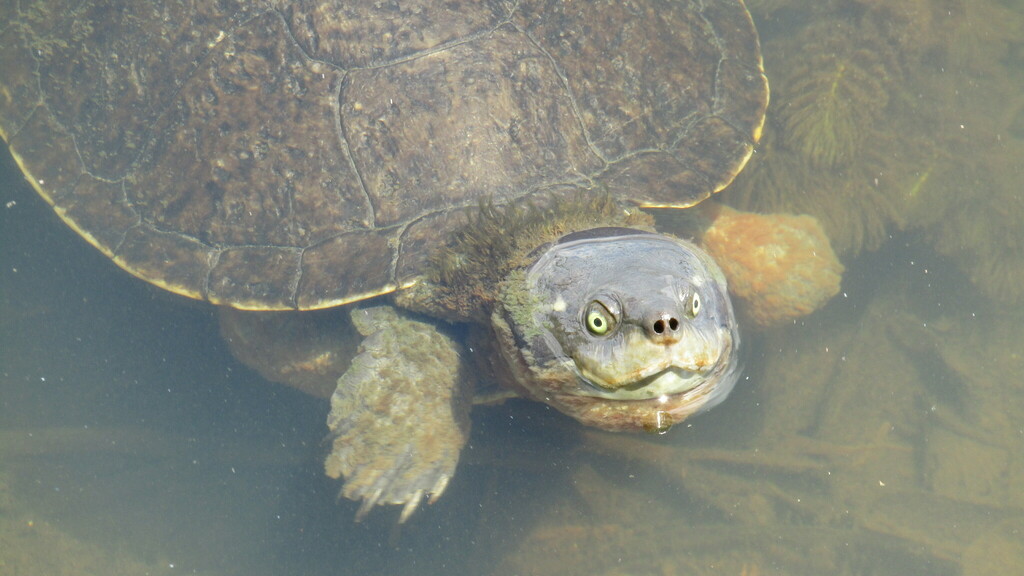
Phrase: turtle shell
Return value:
(300, 155)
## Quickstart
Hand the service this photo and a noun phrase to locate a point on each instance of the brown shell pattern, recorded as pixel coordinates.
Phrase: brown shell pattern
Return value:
(299, 154)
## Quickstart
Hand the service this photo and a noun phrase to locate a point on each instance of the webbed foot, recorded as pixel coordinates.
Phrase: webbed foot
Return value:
(400, 414)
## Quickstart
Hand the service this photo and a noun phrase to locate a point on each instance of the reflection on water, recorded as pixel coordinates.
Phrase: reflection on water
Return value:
(880, 436)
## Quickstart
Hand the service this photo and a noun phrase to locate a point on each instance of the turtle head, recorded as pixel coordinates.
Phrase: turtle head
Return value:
(621, 329)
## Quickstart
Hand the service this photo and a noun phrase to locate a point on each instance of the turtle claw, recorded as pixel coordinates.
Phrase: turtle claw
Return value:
(411, 506)
(399, 416)
(438, 488)
(368, 503)
(399, 485)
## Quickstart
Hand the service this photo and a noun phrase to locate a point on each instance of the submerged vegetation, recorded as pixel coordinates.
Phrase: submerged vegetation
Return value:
(856, 211)
(979, 33)
(879, 124)
(971, 206)
(820, 155)
(973, 213)
(831, 101)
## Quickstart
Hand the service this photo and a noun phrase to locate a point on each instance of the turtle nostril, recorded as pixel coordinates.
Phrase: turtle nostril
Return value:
(664, 326)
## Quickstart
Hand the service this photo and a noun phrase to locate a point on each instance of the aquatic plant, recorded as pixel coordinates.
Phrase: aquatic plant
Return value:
(833, 147)
(980, 34)
(856, 209)
(968, 201)
(831, 100)
(977, 224)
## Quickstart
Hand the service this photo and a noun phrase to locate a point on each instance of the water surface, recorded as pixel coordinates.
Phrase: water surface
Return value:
(881, 435)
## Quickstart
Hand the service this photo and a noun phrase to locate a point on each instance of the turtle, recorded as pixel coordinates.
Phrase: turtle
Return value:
(470, 180)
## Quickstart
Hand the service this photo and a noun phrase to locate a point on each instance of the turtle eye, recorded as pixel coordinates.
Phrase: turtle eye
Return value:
(598, 318)
(694, 307)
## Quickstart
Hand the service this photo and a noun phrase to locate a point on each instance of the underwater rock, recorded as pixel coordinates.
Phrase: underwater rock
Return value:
(780, 266)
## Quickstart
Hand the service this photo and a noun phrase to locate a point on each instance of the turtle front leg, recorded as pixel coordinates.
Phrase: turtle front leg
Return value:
(400, 414)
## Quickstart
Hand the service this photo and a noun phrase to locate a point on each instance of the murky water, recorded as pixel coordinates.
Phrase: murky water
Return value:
(880, 435)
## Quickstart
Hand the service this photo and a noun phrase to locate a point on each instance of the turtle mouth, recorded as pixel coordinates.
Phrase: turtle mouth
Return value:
(665, 382)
